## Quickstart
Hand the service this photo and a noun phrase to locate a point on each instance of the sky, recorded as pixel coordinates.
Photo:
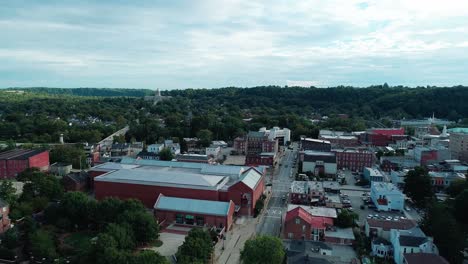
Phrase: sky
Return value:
(220, 43)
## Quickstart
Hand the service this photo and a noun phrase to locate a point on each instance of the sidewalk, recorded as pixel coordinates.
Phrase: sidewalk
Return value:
(235, 240)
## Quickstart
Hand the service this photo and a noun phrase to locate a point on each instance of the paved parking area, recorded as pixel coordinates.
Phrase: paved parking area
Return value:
(171, 242)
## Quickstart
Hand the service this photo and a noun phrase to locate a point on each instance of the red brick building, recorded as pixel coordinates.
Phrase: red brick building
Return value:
(301, 224)
(240, 145)
(354, 159)
(315, 144)
(15, 161)
(381, 137)
(260, 150)
(194, 212)
(147, 179)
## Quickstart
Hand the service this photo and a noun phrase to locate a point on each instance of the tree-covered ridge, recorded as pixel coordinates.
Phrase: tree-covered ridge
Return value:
(101, 92)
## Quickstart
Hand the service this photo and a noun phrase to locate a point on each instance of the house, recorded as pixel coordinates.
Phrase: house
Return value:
(299, 223)
(155, 148)
(381, 248)
(213, 151)
(423, 258)
(410, 241)
(171, 145)
(459, 143)
(441, 180)
(373, 174)
(76, 181)
(381, 226)
(319, 163)
(16, 161)
(194, 212)
(219, 143)
(387, 197)
(60, 168)
(192, 145)
(5, 222)
(306, 192)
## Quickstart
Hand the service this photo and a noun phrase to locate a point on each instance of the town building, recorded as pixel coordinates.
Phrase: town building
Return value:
(387, 197)
(5, 222)
(423, 258)
(459, 143)
(240, 145)
(319, 163)
(373, 174)
(157, 97)
(306, 192)
(315, 144)
(354, 159)
(381, 137)
(440, 180)
(261, 150)
(379, 226)
(92, 153)
(340, 236)
(126, 149)
(282, 135)
(301, 224)
(213, 151)
(341, 141)
(193, 145)
(410, 242)
(16, 161)
(381, 248)
(76, 181)
(333, 201)
(198, 158)
(430, 121)
(60, 169)
(155, 148)
(202, 213)
(428, 155)
(389, 163)
(147, 179)
(398, 177)
(219, 143)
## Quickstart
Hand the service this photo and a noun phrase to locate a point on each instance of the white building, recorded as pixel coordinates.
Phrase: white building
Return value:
(213, 151)
(398, 177)
(319, 162)
(387, 197)
(283, 135)
(410, 241)
(155, 148)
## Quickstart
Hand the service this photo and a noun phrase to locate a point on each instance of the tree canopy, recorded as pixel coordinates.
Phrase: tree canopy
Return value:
(263, 250)
(418, 186)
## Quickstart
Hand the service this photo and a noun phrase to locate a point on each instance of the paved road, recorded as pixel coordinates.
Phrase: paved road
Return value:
(272, 219)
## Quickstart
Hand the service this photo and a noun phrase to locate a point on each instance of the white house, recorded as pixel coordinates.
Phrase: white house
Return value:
(155, 148)
(283, 135)
(213, 151)
(387, 197)
(410, 241)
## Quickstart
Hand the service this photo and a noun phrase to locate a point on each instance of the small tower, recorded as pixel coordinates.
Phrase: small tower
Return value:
(444, 132)
(158, 93)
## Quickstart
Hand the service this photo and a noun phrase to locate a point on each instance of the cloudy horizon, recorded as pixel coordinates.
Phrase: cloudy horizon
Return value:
(208, 44)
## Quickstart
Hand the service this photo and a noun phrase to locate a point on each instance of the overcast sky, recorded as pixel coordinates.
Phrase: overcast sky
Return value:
(205, 44)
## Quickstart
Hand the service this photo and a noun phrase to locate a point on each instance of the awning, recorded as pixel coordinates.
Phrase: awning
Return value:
(188, 216)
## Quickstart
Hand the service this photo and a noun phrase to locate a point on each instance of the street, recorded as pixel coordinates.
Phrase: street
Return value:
(272, 218)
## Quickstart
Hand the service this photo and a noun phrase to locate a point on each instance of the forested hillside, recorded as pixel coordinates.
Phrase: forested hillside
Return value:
(41, 114)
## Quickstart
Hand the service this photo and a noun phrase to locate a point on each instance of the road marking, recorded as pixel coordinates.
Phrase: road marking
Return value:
(270, 216)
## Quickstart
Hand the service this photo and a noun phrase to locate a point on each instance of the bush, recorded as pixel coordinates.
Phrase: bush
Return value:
(258, 207)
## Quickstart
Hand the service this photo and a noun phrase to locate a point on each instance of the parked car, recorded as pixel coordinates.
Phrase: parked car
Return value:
(407, 208)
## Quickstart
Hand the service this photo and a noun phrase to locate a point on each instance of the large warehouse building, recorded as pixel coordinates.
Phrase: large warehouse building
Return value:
(147, 179)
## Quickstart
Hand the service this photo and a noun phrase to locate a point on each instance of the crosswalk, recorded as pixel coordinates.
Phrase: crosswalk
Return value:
(276, 212)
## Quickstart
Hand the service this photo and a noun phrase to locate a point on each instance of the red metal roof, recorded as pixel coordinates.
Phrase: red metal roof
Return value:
(318, 222)
(402, 224)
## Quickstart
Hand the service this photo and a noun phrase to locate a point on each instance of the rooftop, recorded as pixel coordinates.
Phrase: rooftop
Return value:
(459, 130)
(19, 154)
(192, 205)
(447, 175)
(424, 258)
(345, 233)
(318, 153)
(303, 186)
(401, 224)
(315, 140)
(315, 211)
(320, 222)
(373, 172)
(338, 137)
(384, 187)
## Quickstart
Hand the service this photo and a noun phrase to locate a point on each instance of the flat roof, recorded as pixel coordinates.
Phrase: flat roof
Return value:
(196, 206)
(315, 211)
(386, 187)
(345, 233)
(316, 140)
(165, 176)
(318, 153)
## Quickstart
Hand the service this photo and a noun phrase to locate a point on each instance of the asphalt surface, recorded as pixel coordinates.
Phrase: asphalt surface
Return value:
(272, 219)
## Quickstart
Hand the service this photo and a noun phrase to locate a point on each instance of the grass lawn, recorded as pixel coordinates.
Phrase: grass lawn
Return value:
(79, 241)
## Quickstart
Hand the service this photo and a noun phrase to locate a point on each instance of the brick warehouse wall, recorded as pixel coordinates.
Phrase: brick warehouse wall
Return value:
(40, 161)
(148, 194)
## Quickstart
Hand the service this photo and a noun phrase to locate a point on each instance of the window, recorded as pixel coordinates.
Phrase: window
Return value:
(303, 228)
(404, 250)
(298, 221)
(290, 235)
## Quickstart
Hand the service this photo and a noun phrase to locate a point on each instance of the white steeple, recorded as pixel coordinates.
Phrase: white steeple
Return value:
(444, 132)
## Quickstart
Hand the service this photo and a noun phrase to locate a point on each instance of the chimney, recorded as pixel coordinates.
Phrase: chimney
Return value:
(61, 139)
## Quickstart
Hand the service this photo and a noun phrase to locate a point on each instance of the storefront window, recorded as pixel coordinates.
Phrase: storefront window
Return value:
(200, 220)
(189, 219)
(179, 219)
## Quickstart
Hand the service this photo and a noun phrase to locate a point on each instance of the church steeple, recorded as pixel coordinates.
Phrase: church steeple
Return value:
(158, 93)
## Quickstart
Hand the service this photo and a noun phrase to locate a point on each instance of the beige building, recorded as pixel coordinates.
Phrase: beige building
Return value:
(459, 143)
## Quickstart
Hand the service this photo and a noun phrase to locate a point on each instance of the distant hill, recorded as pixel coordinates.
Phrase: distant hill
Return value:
(101, 92)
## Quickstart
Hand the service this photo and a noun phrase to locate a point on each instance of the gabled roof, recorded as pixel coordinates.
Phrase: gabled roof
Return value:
(250, 178)
(412, 241)
(315, 221)
(185, 205)
(424, 258)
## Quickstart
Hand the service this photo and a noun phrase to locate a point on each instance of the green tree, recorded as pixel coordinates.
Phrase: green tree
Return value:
(418, 186)
(7, 192)
(263, 250)
(461, 207)
(448, 236)
(143, 224)
(457, 186)
(123, 235)
(205, 137)
(74, 155)
(197, 247)
(346, 219)
(148, 257)
(166, 154)
(76, 207)
(42, 244)
(11, 238)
